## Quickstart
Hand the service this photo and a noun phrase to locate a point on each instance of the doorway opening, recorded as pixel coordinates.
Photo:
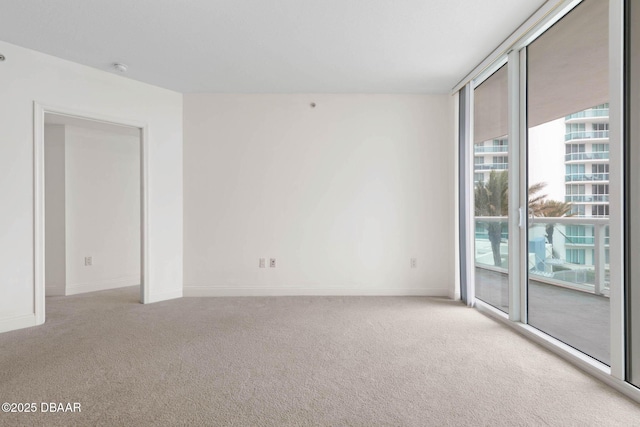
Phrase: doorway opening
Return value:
(90, 207)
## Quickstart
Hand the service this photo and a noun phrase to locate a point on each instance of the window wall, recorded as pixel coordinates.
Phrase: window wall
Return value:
(556, 255)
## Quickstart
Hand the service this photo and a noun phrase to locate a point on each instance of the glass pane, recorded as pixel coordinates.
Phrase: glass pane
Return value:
(633, 153)
(568, 180)
(491, 202)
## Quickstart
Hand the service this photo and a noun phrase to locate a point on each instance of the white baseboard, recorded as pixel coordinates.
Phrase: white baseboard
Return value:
(120, 282)
(164, 296)
(17, 322)
(54, 289)
(255, 291)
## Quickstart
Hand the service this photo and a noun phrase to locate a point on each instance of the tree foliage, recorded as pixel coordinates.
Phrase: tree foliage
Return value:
(491, 197)
(536, 199)
(492, 200)
(553, 209)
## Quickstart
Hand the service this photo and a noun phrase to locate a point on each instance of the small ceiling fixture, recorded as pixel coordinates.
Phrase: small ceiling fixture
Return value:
(121, 68)
(2, 58)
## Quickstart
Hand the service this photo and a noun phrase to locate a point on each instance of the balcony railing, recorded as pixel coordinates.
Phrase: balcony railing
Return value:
(571, 177)
(490, 166)
(590, 134)
(580, 240)
(587, 198)
(547, 261)
(491, 149)
(484, 235)
(604, 112)
(599, 155)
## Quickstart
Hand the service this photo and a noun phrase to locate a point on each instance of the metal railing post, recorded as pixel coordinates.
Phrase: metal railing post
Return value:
(598, 257)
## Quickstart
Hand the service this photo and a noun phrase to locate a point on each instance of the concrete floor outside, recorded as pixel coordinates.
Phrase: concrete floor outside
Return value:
(576, 318)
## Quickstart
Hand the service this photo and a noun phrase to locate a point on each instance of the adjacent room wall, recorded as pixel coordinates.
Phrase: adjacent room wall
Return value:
(27, 76)
(342, 195)
(92, 208)
(55, 242)
(102, 183)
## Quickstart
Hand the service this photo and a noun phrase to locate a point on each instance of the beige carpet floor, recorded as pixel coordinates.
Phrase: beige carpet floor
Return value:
(280, 361)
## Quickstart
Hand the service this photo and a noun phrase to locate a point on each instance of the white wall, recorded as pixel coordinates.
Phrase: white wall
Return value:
(342, 195)
(92, 205)
(55, 242)
(102, 183)
(27, 76)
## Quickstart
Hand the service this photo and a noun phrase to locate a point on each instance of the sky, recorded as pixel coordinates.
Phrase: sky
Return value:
(546, 158)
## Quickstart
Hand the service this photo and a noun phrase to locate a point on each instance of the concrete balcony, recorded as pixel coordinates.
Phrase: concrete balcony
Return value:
(576, 318)
(591, 177)
(587, 198)
(583, 116)
(589, 134)
(491, 149)
(567, 300)
(585, 157)
(479, 167)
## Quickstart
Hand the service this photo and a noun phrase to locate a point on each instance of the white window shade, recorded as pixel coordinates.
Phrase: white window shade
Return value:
(490, 115)
(567, 67)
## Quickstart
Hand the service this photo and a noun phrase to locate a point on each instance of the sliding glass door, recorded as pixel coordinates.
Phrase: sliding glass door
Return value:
(568, 180)
(490, 190)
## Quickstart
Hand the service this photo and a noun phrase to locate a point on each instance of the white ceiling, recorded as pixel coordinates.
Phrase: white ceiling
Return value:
(277, 46)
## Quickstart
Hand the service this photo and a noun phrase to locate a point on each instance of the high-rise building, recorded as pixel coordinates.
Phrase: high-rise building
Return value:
(586, 177)
(488, 156)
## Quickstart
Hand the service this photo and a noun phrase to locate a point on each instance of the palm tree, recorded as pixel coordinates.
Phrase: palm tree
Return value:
(536, 200)
(541, 207)
(553, 209)
(491, 199)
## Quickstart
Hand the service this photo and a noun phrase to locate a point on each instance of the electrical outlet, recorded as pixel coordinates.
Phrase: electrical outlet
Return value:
(272, 263)
(88, 261)
(261, 263)
(414, 262)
